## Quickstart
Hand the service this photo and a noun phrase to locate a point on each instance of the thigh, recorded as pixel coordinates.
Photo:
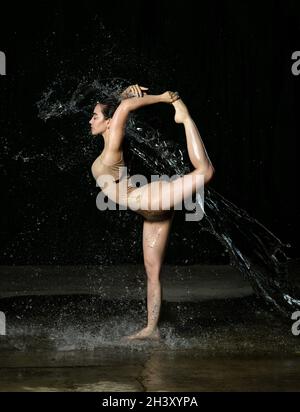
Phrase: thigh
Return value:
(164, 195)
(155, 240)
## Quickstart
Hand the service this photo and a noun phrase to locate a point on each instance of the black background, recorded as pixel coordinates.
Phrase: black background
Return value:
(231, 63)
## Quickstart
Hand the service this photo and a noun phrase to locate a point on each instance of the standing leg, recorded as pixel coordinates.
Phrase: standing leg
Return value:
(155, 240)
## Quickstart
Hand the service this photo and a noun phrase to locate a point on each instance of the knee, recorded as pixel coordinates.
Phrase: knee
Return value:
(152, 264)
(153, 268)
(153, 279)
(209, 173)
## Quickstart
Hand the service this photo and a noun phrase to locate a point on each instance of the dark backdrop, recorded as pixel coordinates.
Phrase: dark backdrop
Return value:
(231, 62)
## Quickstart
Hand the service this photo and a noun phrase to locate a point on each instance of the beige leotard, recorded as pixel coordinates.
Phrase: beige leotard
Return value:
(116, 172)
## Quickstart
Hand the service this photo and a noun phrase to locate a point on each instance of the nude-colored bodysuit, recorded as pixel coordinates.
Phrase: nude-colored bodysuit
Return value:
(99, 168)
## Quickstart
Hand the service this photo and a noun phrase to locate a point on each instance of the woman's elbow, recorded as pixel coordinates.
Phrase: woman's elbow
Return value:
(126, 105)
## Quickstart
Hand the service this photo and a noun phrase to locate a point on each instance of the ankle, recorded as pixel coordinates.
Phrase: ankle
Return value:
(187, 120)
(151, 328)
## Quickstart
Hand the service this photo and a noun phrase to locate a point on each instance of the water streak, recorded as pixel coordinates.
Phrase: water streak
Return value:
(259, 255)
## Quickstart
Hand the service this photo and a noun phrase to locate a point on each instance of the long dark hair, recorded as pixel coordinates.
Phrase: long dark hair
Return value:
(110, 105)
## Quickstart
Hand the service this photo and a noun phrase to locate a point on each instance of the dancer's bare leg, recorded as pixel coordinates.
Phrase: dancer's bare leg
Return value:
(157, 194)
(196, 149)
(155, 239)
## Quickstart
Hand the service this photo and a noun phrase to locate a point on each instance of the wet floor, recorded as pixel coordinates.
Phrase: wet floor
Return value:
(148, 370)
(60, 342)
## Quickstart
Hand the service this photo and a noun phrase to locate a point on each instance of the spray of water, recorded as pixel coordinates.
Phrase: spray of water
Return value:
(257, 253)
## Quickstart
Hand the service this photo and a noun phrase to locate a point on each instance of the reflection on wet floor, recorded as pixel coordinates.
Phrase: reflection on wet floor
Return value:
(150, 370)
(67, 343)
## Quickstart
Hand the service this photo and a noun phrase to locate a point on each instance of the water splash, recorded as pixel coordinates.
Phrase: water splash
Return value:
(258, 254)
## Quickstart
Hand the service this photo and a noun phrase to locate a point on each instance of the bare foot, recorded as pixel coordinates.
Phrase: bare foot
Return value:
(181, 111)
(144, 334)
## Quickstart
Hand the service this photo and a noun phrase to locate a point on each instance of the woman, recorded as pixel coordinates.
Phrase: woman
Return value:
(155, 201)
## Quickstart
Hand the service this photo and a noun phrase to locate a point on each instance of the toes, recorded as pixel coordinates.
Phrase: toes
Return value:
(175, 96)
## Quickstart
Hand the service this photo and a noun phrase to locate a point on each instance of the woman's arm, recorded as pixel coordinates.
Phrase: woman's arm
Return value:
(119, 119)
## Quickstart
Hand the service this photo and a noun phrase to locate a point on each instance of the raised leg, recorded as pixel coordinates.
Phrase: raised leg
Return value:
(162, 195)
(195, 145)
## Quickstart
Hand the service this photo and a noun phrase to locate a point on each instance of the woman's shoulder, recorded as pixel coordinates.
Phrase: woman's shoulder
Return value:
(111, 157)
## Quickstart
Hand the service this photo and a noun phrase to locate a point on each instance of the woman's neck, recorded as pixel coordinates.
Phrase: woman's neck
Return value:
(105, 136)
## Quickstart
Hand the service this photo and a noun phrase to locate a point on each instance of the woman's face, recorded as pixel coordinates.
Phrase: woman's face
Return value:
(98, 122)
